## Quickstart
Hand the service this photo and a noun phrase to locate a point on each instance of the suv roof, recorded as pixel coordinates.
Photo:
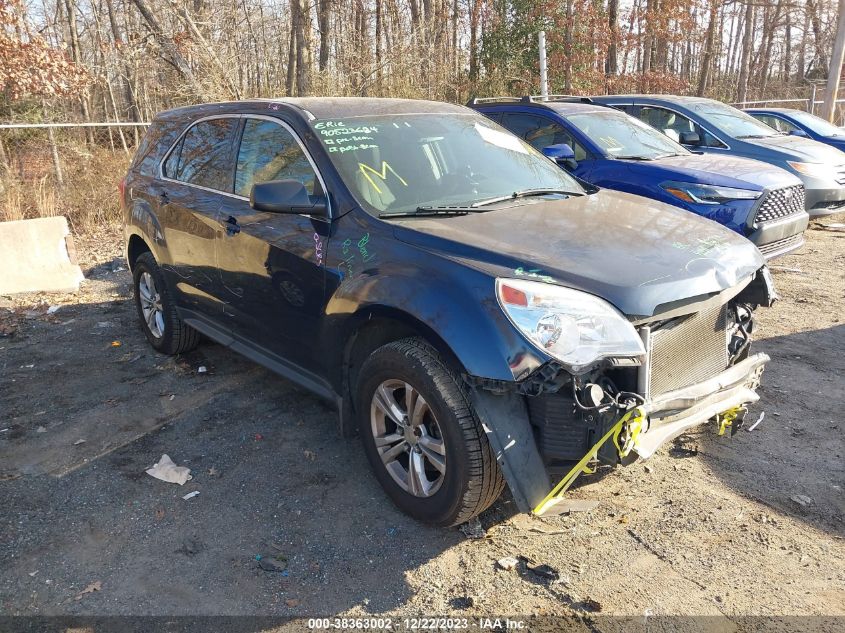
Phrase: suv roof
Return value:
(765, 109)
(564, 104)
(324, 107)
(676, 98)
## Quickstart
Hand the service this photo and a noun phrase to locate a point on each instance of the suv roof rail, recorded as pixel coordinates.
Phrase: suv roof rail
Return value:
(534, 99)
(569, 98)
(480, 100)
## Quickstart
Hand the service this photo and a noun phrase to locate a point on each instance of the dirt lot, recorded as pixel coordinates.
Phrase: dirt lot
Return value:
(751, 525)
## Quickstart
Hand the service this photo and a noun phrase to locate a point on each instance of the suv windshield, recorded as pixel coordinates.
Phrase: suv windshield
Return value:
(734, 122)
(622, 136)
(817, 124)
(399, 163)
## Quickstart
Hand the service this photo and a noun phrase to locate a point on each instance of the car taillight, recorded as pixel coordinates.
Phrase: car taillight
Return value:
(121, 187)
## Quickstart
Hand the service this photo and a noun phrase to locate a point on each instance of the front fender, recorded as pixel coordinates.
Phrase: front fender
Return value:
(455, 303)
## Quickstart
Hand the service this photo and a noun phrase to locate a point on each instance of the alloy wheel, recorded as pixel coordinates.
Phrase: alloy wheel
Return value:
(151, 304)
(408, 438)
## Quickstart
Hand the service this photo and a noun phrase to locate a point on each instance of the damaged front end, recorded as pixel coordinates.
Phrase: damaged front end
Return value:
(696, 367)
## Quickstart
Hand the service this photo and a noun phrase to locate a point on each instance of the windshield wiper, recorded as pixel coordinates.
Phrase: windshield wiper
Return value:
(424, 212)
(635, 157)
(759, 135)
(525, 193)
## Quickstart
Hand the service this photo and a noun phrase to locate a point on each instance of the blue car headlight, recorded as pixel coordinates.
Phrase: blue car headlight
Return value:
(695, 193)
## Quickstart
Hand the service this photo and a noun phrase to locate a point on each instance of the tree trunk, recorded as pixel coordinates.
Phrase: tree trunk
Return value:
(710, 42)
(323, 13)
(567, 49)
(474, 9)
(291, 71)
(76, 56)
(745, 63)
(125, 79)
(766, 56)
(301, 18)
(787, 48)
(648, 45)
(611, 66)
(415, 14)
(815, 20)
(173, 56)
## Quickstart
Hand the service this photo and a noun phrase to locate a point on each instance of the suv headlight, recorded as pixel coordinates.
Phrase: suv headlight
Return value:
(574, 327)
(814, 170)
(707, 194)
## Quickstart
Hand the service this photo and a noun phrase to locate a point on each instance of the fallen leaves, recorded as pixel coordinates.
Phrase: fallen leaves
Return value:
(94, 586)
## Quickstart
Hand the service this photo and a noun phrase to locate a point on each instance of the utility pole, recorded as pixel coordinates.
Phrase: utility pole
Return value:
(835, 71)
(544, 77)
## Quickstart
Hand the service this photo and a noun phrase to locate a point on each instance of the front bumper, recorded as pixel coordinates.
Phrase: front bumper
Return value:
(824, 199)
(781, 236)
(671, 414)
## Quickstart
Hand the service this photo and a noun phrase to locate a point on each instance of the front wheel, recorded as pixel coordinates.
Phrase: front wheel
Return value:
(422, 436)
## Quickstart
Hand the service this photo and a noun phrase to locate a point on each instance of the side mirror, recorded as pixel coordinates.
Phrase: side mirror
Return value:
(562, 154)
(284, 196)
(798, 132)
(690, 138)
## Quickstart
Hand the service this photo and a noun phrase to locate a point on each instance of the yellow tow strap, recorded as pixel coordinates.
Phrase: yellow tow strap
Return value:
(727, 418)
(633, 419)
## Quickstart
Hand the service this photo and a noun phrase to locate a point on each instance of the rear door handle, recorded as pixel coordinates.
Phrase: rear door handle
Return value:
(232, 227)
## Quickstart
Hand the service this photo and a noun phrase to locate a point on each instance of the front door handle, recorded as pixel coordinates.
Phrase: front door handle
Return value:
(232, 227)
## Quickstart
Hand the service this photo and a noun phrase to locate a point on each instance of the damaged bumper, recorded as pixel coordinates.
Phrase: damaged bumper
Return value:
(672, 413)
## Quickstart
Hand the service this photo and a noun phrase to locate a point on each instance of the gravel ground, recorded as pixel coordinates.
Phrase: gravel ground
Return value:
(747, 526)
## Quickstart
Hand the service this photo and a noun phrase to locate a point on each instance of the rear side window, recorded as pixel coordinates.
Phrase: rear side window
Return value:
(203, 157)
(270, 152)
(155, 143)
(540, 132)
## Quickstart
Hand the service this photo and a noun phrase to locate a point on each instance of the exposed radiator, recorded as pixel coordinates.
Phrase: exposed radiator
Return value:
(687, 350)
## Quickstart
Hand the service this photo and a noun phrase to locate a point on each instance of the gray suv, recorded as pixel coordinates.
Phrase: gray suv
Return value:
(714, 127)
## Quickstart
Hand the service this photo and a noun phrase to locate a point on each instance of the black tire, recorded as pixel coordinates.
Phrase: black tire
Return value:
(472, 480)
(177, 337)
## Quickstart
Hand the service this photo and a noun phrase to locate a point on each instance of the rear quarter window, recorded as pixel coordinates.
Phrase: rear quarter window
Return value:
(154, 145)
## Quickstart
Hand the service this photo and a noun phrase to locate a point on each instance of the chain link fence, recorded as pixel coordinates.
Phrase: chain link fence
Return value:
(70, 169)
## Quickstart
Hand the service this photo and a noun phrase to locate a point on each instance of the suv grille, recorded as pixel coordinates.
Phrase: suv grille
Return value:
(840, 174)
(780, 203)
(687, 350)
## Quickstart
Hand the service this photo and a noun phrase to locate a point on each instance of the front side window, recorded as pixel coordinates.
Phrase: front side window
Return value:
(540, 132)
(270, 152)
(622, 136)
(817, 124)
(203, 157)
(398, 163)
(776, 123)
(675, 126)
(734, 122)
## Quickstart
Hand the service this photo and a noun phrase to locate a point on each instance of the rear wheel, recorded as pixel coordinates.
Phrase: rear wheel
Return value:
(422, 436)
(162, 326)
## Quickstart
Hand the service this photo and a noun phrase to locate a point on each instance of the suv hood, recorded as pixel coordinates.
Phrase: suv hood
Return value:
(728, 171)
(803, 149)
(638, 254)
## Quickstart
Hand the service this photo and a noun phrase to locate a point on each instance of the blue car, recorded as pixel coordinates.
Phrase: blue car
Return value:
(716, 128)
(608, 148)
(800, 123)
